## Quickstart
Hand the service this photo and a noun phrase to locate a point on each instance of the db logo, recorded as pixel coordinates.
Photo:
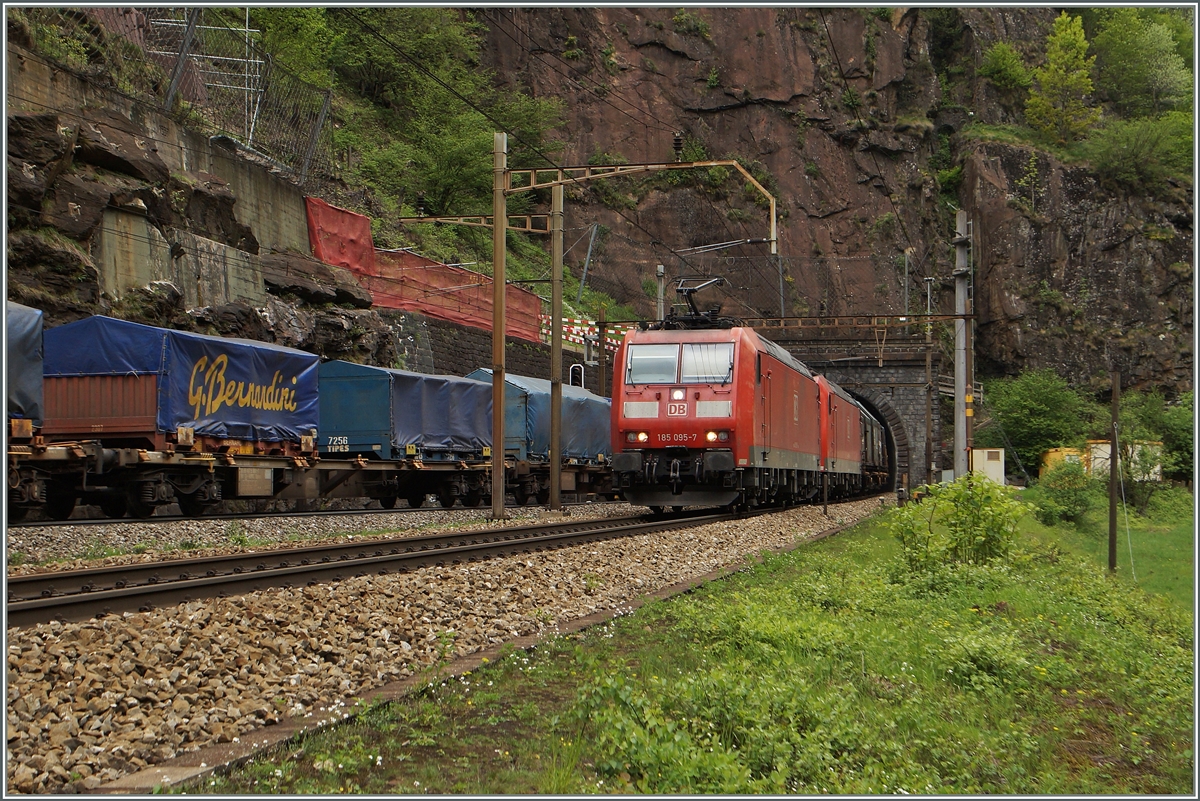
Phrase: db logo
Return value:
(676, 410)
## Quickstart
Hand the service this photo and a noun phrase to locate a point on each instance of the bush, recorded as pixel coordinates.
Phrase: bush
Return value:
(971, 520)
(1064, 493)
(1003, 66)
(1142, 154)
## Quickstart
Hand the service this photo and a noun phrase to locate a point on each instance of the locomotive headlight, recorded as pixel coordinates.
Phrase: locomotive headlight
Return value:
(678, 394)
(723, 436)
(711, 436)
(643, 436)
(637, 436)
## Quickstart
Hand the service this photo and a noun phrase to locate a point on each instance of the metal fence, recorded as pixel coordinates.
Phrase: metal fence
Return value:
(191, 63)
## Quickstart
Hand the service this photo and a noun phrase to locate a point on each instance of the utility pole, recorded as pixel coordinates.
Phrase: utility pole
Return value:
(929, 479)
(556, 268)
(603, 351)
(782, 307)
(961, 407)
(661, 275)
(499, 245)
(1113, 477)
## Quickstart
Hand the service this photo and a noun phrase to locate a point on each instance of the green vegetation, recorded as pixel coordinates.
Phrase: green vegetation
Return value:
(1137, 67)
(1057, 106)
(571, 49)
(1160, 540)
(1142, 153)
(1003, 66)
(969, 521)
(1065, 492)
(838, 668)
(690, 24)
(1032, 413)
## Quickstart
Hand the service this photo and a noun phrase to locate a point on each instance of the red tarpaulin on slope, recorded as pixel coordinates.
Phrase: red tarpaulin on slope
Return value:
(340, 237)
(414, 283)
(404, 280)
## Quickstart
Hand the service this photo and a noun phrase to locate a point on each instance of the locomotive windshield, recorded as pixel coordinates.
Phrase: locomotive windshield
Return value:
(652, 364)
(707, 363)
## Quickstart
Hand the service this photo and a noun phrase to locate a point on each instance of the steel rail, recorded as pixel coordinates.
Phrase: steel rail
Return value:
(101, 521)
(79, 595)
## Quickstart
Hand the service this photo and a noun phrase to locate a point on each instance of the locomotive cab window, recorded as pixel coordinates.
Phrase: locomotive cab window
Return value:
(707, 363)
(652, 364)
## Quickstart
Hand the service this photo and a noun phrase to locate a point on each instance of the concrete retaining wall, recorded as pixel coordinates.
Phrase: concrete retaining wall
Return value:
(270, 205)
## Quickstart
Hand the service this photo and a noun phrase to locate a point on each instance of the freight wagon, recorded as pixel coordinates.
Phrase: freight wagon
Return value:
(586, 447)
(438, 427)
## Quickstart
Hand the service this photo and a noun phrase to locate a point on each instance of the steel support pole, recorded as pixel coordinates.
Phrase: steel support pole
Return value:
(587, 261)
(961, 274)
(556, 268)
(189, 33)
(315, 137)
(499, 230)
(661, 275)
(1113, 475)
(603, 355)
(782, 307)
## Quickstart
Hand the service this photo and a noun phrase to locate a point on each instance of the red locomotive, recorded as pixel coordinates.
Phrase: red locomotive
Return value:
(706, 412)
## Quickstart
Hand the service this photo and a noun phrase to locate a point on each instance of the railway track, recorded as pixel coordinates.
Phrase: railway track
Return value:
(82, 594)
(100, 521)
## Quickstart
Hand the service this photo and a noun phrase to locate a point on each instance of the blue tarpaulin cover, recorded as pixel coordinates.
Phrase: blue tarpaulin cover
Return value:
(24, 356)
(586, 418)
(222, 387)
(368, 409)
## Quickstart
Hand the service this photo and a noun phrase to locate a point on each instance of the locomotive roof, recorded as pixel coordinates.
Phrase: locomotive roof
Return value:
(722, 335)
(781, 353)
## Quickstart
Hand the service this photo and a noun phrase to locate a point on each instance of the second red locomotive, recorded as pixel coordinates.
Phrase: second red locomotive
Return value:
(721, 416)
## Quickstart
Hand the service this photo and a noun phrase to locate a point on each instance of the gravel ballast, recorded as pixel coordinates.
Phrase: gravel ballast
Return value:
(90, 702)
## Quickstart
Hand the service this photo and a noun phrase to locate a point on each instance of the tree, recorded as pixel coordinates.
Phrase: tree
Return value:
(1138, 68)
(1032, 413)
(1057, 106)
(1179, 438)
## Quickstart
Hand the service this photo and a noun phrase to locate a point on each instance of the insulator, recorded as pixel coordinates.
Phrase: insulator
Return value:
(420, 204)
(678, 145)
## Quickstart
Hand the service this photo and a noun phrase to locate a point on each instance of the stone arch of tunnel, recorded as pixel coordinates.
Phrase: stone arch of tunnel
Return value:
(898, 447)
(897, 392)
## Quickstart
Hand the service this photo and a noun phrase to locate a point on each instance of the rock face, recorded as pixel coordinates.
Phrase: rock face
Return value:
(857, 121)
(848, 116)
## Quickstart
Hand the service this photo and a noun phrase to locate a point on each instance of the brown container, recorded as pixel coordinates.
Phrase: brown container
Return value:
(101, 406)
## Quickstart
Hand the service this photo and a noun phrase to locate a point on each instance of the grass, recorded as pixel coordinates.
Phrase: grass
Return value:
(1161, 542)
(830, 669)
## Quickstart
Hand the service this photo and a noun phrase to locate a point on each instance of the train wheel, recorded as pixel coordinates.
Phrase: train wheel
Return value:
(17, 513)
(139, 508)
(113, 505)
(472, 499)
(59, 503)
(543, 496)
(387, 502)
(446, 497)
(416, 500)
(521, 495)
(191, 506)
(676, 508)
(658, 510)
